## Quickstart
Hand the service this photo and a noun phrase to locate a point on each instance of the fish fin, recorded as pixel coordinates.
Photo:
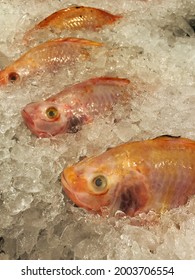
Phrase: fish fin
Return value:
(110, 80)
(132, 194)
(81, 158)
(76, 6)
(78, 40)
(74, 125)
(28, 35)
(108, 149)
(166, 136)
(116, 17)
(185, 142)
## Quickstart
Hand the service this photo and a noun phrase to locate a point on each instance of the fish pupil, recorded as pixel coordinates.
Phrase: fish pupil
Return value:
(13, 77)
(98, 182)
(52, 113)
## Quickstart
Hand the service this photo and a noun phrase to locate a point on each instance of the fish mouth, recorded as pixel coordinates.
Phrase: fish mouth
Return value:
(28, 120)
(74, 196)
(67, 189)
(65, 182)
(3, 81)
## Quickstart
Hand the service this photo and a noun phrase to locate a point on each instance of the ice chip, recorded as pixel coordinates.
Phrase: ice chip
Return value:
(153, 47)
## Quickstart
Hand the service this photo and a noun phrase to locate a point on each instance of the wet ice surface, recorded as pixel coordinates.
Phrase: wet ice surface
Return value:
(154, 47)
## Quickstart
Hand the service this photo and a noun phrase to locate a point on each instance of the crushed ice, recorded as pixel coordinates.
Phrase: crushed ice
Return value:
(153, 46)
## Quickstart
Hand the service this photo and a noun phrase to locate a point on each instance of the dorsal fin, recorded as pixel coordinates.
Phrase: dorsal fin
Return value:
(109, 148)
(167, 136)
(76, 40)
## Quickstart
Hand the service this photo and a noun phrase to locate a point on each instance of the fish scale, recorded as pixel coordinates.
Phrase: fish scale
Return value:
(156, 174)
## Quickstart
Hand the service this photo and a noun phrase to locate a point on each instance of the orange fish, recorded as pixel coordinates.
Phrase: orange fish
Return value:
(48, 56)
(74, 18)
(75, 106)
(135, 177)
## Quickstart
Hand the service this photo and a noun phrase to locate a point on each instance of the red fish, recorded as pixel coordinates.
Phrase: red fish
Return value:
(75, 106)
(135, 177)
(48, 56)
(74, 18)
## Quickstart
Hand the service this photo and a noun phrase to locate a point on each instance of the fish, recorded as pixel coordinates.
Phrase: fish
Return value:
(75, 106)
(48, 56)
(74, 18)
(134, 177)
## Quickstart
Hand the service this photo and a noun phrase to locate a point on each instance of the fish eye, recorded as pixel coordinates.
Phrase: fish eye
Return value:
(13, 77)
(52, 113)
(99, 183)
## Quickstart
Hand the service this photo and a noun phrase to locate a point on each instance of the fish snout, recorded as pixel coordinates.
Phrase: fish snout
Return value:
(64, 181)
(72, 181)
(31, 125)
(27, 118)
(68, 187)
(3, 80)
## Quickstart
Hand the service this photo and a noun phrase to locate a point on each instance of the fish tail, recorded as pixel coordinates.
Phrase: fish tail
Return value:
(28, 35)
(117, 17)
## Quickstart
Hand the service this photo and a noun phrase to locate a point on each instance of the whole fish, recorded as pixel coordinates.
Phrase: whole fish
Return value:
(74, 18)
(135, 177)
(48, 56)
(75, 106)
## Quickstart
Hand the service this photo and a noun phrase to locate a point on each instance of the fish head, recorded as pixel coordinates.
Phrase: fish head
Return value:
(105, 184)
(46, 119)
(9, 75)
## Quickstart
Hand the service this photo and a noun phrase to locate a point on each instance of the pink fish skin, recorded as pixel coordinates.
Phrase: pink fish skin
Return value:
(75, 106)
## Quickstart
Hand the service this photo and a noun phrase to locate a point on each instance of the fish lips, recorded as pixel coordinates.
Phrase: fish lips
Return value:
(28, 120)
(69, 192)
(3, 80)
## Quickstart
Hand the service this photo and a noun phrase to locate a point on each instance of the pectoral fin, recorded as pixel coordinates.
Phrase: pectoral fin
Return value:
(74, 125)
(132, 195)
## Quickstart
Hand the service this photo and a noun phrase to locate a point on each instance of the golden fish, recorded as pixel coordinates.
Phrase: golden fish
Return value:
(48, 56)
(74, 18)
(135, 177)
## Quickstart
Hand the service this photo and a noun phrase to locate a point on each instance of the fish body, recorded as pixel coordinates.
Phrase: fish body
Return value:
(74, 18)
(48, 56)
(75, 106)
(135, 177)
